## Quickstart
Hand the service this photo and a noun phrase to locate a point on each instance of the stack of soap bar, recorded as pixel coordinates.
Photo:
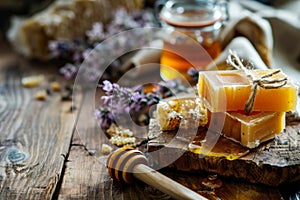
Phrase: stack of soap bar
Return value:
(249, 130)
(225, 94)
(228, 90)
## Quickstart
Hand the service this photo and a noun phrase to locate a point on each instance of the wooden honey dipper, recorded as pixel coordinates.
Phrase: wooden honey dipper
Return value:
(128, 163)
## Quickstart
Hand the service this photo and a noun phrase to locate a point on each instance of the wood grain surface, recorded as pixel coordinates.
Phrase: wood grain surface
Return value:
(35, 135)
(48, 152)
(272, 163)
(86, 175)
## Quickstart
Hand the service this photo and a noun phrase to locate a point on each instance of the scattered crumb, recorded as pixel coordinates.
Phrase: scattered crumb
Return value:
(121, 136)
(118, 130)
(41, 95)
(66, 96)
(55, 86)
(91, 152)
(106, 149)
(121, 140)
(73, 108)
(32, 81)
(48, 91)
(52, 86)
(69, 88)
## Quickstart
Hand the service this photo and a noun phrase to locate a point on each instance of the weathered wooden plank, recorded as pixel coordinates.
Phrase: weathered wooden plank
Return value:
(274, 163)
(85, 173)
(35, 135)
(220, 188)
(86, 176)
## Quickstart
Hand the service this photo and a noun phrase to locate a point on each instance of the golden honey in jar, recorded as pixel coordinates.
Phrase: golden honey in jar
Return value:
(191, 30)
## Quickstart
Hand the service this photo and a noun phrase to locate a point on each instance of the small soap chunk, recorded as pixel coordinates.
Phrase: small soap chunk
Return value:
(55, 86)
(229, 90)
(249, 130)
(181, 113)
(32, 81)
(106, 149)
(41, 95)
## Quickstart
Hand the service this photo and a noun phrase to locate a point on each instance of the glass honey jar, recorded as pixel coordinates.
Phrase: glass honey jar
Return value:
(191, 34)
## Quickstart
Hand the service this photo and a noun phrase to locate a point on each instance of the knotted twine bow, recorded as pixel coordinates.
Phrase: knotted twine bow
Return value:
(264, 81)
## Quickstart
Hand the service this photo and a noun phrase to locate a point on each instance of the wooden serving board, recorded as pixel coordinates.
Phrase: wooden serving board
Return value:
(272, 163)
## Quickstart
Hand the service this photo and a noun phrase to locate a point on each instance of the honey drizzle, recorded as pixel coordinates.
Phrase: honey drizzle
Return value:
(224, 147)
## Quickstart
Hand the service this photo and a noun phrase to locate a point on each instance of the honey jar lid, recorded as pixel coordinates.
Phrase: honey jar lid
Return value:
(191, 13)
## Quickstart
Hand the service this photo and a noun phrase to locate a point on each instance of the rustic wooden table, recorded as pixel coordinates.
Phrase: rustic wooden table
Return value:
(49, 151)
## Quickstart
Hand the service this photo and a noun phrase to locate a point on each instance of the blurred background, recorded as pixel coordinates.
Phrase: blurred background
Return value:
(29, 7)
(19, 7)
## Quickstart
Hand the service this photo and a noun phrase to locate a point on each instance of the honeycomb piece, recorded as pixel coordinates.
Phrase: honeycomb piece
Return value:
(181, 113)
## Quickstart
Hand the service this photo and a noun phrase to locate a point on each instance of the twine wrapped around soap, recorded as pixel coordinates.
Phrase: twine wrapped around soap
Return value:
(262, 81)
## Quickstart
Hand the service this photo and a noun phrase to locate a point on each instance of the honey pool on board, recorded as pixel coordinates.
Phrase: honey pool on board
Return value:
(209, 143)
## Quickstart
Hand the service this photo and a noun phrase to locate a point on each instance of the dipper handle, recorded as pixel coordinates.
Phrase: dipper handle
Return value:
(126, 163)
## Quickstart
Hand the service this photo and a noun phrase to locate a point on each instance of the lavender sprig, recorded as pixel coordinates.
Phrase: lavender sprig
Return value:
(119, 101)
(75, 51)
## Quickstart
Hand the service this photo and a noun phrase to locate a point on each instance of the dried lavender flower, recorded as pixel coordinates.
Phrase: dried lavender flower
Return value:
(193, 73)
(79, 49)
(68, 70)
(96, 33)
(121, 101)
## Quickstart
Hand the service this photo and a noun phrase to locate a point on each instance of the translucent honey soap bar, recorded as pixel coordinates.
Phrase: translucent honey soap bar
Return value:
(181, 113)
(229, 90)
(249, 130)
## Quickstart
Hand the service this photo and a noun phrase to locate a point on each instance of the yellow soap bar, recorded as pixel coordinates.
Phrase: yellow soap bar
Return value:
(229, 90)
(249, 130)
